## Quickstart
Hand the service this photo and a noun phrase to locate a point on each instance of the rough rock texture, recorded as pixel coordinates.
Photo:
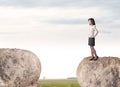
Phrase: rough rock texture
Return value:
(105, 72)
(19, 68)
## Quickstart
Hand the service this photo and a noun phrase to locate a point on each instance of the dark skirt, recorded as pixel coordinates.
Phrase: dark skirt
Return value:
(91, 41)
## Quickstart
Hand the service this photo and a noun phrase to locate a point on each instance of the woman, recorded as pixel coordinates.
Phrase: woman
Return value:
(91, 40)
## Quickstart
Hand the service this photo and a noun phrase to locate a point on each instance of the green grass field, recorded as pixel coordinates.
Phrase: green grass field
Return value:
(59, 83)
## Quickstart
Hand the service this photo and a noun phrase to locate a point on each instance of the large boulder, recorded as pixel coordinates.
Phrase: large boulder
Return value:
(19, 68)
(105, 72)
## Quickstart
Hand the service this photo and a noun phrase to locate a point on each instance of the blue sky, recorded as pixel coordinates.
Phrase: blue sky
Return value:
(57, 31)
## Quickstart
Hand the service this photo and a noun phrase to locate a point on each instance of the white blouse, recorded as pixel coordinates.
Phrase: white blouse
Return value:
(93, 31)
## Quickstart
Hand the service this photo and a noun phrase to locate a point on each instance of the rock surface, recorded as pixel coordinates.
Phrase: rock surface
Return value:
(19, 68)
(105, 72)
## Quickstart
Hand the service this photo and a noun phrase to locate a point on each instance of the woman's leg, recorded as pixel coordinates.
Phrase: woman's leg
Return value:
(92, 51)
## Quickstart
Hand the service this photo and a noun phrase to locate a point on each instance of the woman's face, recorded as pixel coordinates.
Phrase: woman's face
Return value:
(90, 22)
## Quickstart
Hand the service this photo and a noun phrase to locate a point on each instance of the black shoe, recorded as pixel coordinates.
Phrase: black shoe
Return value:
(92, 58)
(96, 58)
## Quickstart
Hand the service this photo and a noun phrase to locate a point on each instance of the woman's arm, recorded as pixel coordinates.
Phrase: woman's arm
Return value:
(96, 32)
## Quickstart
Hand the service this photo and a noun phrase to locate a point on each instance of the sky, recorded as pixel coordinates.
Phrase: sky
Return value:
(57, 31)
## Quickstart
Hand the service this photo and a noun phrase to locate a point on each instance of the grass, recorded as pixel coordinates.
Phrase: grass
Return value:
(59, 83)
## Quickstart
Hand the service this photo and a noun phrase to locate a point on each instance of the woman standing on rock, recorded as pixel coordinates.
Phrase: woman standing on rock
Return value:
(91, 39)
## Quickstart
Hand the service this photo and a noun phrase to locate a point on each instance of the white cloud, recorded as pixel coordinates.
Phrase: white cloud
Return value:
(59, 3)
(29, 19)
(49, 25)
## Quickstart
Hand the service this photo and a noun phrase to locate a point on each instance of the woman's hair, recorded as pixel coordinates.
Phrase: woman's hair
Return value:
(92, 20)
